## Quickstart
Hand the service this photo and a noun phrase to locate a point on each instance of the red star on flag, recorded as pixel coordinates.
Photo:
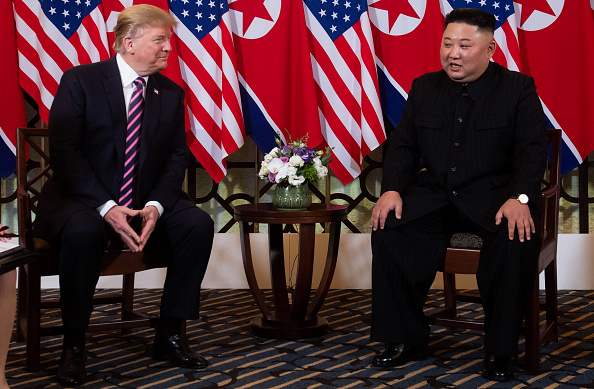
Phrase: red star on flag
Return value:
(250, 9)
(395, 8)
(529, 6)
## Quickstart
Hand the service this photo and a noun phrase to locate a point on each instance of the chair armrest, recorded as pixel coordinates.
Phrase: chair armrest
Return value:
(24, 217)
(549, 192)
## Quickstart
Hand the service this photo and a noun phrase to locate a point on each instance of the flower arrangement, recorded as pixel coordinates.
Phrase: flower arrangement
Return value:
(295, 163)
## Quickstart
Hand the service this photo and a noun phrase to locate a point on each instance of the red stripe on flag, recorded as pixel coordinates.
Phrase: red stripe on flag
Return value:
(204, 158)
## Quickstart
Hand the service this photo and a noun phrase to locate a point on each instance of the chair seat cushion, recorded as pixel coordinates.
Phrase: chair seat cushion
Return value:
(44, 246)
(466, 240)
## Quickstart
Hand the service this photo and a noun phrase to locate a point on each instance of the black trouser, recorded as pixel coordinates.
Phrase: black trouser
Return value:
(184, 235)
(406, 259)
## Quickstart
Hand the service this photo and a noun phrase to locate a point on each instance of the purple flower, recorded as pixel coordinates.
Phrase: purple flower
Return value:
(272, 177)
(304, 153)
(284, 159)
(287, 149)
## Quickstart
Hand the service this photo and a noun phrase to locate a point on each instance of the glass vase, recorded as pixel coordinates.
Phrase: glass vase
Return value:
(292, 198)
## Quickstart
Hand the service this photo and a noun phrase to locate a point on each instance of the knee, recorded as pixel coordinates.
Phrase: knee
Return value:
(90, 233)
(200, 224)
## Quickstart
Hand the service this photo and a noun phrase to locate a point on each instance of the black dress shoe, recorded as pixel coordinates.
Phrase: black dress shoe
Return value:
(71, 371)
(175, 349)
(398, 355)
(498, 368)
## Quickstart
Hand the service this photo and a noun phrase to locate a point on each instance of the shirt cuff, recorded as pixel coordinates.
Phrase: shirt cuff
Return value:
(157, 205)
(106, 207)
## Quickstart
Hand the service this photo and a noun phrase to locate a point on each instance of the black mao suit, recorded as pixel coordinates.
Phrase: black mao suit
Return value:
(458, 153)
(87, 127)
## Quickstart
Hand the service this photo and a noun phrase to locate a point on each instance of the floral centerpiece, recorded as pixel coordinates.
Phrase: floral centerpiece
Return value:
(291, 167)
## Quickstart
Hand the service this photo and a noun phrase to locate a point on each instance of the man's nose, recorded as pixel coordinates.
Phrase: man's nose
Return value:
(455, 52)
(167, 45)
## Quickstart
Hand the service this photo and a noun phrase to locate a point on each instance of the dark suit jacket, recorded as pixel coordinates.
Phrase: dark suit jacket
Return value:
(87, 131)
(497, 150)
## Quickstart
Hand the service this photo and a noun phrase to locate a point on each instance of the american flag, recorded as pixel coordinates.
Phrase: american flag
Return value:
(506, 29)
(208, 68)
(342, 57)
(52, 37)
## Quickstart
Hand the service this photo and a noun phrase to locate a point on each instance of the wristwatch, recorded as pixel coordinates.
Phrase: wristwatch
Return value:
(522, 198)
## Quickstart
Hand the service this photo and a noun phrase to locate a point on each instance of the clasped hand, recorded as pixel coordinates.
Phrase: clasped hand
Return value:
(118, 218)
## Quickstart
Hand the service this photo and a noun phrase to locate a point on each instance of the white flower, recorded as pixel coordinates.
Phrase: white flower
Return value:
(317, 162)
(322, 171)
(274, 165)
(297, 180)
(274, 151)
(282, 173)
(268, 158)
(264, 171)
(296, 160)
(291, 171)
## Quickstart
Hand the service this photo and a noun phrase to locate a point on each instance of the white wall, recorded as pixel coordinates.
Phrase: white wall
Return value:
(225, 271)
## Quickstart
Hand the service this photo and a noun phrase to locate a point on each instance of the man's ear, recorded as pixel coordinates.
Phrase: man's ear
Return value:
(491, 49)
(128, 44)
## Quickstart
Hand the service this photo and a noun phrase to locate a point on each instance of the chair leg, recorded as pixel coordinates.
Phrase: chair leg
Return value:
(21, 313)
(127, 299)
(33, 341)
(532, 337)
(551, 302)
(449, 294)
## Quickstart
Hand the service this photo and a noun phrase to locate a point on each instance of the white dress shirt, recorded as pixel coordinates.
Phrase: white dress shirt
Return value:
(128, 76)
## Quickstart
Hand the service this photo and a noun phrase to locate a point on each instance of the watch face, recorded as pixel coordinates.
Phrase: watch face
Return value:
(523, 199)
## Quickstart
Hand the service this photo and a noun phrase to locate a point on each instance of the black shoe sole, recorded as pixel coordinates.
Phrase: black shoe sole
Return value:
(71, 384)
(497, 378)
(161, 358)
(421, 356)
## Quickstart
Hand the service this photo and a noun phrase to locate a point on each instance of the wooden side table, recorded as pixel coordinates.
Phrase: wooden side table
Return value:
(297, 319)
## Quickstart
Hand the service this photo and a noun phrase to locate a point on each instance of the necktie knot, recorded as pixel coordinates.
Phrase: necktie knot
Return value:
(139, 83)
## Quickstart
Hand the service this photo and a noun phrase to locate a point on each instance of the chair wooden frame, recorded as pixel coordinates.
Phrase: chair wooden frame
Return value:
(114, 262)
(462, 260)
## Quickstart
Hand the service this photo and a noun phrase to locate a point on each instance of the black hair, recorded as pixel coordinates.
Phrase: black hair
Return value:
(484, 20)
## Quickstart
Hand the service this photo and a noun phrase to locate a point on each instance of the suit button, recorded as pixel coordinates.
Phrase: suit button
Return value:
(454, 193)
(456, 144)
(453, 169)
(459, 119)
(118, 181)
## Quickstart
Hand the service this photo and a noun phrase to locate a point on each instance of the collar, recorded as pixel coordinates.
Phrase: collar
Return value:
(475, 88)
(127, 74)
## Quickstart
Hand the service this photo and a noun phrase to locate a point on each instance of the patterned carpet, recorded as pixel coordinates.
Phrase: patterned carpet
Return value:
(339, 359)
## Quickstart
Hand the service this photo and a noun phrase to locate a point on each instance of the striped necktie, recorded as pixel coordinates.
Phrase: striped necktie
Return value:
(132, 140)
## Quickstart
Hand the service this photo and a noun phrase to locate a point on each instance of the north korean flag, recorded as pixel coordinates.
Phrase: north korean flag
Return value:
(275, 72)
(12, 106)
(556, 40)
(406, 36)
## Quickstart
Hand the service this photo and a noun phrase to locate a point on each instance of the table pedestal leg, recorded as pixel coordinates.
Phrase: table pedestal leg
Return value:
(296, 319)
